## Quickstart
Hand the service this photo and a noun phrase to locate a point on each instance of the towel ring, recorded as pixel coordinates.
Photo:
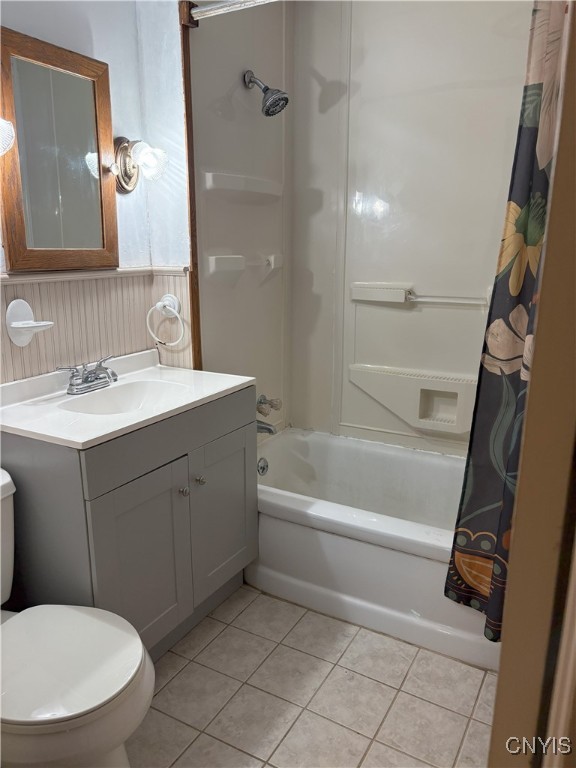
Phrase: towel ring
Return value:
(169, 306)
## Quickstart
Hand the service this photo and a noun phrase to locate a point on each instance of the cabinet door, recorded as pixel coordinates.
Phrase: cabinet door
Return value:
(223, 509)
(140, 549)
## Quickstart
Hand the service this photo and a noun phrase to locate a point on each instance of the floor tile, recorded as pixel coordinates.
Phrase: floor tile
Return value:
(207, 752)
(314, 742)
(269, 617)
(321, 636)
(353, 700)
(195, 695)
(474, 752)
(484, 709)
(166, 667)
(158, 741)
(198, 638)
(291, 674)
(380, 657)
(381, 756)
(254, 721)
(236, 653)
(444, 681)
(423, 730)
(235, 604)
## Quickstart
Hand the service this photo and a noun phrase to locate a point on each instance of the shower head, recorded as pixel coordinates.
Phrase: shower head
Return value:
(273, 99)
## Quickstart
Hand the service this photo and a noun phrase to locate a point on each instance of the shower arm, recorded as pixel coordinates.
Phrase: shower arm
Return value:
(250, 80)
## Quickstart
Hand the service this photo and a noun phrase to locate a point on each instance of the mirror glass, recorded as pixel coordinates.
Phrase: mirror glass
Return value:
(58, 153)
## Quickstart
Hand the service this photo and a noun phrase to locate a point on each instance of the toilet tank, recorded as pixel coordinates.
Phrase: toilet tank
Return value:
(6, 533)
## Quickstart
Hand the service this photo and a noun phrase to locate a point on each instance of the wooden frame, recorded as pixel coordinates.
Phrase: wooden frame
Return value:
(185, 28)
(18, 256)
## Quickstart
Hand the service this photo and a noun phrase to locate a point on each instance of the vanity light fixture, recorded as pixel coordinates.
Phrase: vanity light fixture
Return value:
(7, 136)
(133, 158)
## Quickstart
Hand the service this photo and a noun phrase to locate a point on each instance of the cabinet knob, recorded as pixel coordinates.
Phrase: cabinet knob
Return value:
(184, 491)
(201, 480)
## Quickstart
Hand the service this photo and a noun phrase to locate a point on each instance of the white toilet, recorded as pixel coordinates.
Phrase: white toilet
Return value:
(76, 681)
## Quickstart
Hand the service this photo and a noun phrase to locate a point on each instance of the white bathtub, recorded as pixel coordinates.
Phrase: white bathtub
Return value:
(362, 531)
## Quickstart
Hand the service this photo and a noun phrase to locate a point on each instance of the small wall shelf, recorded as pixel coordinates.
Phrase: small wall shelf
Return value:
(249, 188)
(232, 263)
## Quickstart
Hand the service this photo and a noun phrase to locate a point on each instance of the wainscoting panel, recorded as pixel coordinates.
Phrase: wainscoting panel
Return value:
(93, 316)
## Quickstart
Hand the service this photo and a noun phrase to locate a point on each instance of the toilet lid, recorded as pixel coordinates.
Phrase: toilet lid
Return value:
(62, 661)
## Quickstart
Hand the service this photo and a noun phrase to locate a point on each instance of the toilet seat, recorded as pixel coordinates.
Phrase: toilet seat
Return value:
(62, 662)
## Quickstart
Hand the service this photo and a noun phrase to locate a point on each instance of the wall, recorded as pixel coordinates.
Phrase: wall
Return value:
(243, 310)
(93, 317)
(140, 42)
(427, 96)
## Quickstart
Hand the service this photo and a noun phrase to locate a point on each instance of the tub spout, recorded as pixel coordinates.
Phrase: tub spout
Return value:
(262, 427)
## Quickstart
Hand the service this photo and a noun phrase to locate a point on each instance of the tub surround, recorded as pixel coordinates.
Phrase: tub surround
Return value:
(243, 195)
(401, 131)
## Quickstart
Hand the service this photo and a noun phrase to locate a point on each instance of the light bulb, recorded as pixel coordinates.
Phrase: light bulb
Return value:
(92, 162)
(7, 136)
(151, 161)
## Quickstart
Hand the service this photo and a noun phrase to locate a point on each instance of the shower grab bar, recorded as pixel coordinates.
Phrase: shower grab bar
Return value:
(402, 293)
(462, 300)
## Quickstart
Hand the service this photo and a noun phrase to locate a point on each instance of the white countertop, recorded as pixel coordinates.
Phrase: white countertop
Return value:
(40, 408)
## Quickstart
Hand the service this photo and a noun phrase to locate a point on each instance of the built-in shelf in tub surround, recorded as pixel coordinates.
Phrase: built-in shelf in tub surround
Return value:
(427, 400)
(248, 188)
(40, 408)
(228, 263)
(238, 263)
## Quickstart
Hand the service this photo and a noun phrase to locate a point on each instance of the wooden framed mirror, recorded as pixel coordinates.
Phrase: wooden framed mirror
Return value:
(58, 193)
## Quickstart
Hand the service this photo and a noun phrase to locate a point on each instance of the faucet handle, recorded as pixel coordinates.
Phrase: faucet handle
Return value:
(100, 363)
(71, 368)
(264, 405)
(100, 367)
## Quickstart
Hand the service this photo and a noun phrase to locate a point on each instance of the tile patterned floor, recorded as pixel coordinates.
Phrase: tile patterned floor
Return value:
(262, 683)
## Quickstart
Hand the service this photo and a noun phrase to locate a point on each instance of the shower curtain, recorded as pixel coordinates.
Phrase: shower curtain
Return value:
(478, 566)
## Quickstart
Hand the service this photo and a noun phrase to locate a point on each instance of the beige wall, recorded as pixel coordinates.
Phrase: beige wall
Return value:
(403, 147)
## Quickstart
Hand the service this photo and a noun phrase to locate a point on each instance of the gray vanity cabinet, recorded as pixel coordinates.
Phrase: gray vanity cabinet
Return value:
(148, 525)
(223, 528)
(141, 551)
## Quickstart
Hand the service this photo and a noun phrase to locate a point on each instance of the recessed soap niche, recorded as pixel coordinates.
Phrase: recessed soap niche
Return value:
(245, 189)
(438, 406)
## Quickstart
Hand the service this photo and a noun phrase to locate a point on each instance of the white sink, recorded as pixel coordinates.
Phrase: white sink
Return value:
(146, 392)
(129, 396)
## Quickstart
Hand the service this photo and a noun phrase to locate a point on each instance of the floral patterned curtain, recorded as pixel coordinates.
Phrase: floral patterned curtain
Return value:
(478, 567)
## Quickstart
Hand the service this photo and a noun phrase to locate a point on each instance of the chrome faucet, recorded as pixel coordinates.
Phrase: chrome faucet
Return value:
(84, 379)
(264, 428)
(264, 406)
